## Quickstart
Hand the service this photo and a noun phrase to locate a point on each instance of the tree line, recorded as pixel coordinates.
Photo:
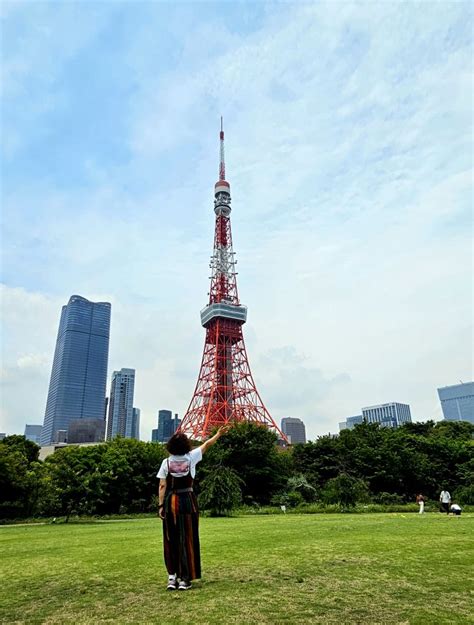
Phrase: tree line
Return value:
(245, 467)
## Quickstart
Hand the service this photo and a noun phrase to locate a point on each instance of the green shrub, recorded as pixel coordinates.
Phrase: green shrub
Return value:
(388, 498)
(345, 490)
(300, 484)
(295, 499)
(464, 495)
(290, 498)
(220, 491)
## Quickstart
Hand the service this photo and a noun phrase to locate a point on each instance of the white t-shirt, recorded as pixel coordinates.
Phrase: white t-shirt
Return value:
(179, 466)
(455, 507)
(445, 497)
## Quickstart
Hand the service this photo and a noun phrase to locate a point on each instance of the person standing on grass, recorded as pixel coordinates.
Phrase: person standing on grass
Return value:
(420, 500)
(445, 499)
(178, 509)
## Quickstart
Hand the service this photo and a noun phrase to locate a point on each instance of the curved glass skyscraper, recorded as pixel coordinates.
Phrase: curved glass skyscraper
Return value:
(79, 374)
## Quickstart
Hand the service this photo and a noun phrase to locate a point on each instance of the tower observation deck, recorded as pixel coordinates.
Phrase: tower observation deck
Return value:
(225, 391)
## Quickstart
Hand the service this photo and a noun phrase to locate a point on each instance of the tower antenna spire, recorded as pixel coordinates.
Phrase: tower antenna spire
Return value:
(222, 161)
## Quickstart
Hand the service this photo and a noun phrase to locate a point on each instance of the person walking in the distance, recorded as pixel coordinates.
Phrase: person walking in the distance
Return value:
(177, 507)
(420, 500)
(445, 500)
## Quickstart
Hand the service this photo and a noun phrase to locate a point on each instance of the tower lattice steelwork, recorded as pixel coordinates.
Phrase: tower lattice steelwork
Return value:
(225, 391)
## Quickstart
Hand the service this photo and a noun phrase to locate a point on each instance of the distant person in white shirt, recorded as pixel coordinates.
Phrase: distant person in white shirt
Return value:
(420, 500)
(456, 509)
(445, 500)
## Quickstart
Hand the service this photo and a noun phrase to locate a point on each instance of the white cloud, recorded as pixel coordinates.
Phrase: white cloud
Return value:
(33, 361)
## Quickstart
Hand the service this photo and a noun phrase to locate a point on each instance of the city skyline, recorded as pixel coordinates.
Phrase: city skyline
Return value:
(351, 190)
(166, 426)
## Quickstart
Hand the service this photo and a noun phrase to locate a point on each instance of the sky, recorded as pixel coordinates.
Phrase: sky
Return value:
(349, 152)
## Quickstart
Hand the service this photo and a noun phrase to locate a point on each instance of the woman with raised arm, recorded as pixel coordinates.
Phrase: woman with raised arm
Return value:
(177, 507)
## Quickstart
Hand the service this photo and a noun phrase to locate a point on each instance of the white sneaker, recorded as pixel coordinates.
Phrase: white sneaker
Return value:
(172, 583)
(184, 585)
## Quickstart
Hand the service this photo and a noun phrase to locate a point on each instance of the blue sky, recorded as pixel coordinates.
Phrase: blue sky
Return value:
(349, 151)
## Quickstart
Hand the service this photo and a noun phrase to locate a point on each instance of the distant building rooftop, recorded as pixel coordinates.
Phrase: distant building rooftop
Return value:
(47, 450)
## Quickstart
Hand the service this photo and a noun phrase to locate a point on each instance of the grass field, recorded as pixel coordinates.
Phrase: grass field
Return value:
(380, 568)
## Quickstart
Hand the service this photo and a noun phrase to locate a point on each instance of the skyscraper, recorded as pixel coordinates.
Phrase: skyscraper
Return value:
(294, 429)
(121, 422)
(79, 373)
(391, 415)
(457, 401)
(167, 426)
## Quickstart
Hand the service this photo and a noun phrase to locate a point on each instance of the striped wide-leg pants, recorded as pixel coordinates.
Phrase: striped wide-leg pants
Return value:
(181, 536)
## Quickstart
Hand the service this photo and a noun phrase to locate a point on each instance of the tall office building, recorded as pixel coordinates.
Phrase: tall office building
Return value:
(33, 433)
(390, 415)
(457, 401)
(167, 426)
(79, 373)
(294, 430)
(120, 421)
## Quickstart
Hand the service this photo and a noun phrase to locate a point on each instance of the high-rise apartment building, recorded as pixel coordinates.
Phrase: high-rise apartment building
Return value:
(121, 421)
(457, 401)
(33, 433)
(392, 414)
(294, 429)
(167, 426)
(79, 373)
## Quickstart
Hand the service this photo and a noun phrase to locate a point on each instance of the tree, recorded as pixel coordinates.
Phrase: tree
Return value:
(19, 473)
(114, 477)
(299, 484)
(345, 490)
(251, 451)
(74, 483)
(318, 461)
(220, 491)
(27, 448)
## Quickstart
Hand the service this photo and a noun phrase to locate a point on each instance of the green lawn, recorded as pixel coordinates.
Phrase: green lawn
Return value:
(374, 568)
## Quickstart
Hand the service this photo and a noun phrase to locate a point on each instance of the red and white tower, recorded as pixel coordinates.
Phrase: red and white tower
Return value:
(225, 391)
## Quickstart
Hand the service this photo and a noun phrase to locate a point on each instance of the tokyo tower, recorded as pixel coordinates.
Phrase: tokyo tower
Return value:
(225, 391)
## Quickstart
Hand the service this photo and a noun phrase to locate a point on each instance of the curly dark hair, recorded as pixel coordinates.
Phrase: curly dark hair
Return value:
(178, 444)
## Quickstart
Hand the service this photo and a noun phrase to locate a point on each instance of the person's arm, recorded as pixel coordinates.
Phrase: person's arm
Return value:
(161, 498)
(210, 441)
